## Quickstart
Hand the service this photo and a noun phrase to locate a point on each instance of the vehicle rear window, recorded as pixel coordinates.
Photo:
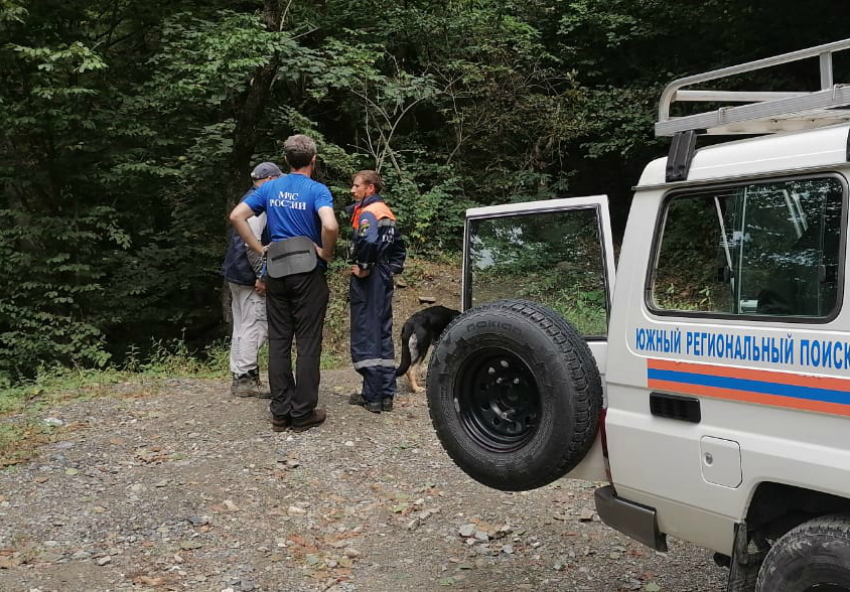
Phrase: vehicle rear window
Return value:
(763, 249)
(554, 258)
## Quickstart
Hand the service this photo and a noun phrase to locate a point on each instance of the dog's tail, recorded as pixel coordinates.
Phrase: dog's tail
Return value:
(406, 333)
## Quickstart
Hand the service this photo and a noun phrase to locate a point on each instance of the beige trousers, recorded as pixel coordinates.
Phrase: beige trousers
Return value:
(250, 328)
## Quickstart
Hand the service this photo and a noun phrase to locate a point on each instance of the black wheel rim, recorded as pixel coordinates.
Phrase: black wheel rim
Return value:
(498, 400)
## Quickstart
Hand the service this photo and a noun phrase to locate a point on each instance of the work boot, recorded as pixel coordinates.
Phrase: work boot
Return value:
(387, 404)
(357, 399)
(315, 418)
(261, 392)
(280, 423)
(243, 386)
(248, 385)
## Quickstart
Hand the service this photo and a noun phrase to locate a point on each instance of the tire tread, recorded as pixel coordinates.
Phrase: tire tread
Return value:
(584, 374)
(836, 526)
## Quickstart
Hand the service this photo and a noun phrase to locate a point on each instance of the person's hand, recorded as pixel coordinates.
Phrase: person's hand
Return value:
(326, 257)
(357, 272)
(260, 287)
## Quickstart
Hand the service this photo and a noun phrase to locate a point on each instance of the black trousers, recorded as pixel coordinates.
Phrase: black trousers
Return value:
(295, 307)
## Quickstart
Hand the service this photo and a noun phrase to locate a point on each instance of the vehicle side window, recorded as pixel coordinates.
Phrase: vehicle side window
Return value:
(554, 258)
(764, 249)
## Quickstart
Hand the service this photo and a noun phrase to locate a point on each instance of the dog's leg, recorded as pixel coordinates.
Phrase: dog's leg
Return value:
(412, 375)
(413, 351)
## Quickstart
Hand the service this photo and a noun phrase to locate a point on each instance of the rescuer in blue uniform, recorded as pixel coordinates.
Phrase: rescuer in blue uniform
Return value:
(377, 254)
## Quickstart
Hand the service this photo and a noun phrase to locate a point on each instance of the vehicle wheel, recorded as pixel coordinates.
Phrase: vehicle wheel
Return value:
(514, 394)
(813, 557)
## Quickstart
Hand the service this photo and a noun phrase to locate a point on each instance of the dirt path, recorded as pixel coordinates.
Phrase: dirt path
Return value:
(190, 490)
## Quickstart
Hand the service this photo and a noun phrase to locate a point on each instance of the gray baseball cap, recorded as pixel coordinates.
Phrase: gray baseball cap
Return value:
(265, 169)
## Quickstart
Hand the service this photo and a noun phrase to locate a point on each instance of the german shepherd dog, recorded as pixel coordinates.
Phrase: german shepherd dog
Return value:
(418, 333)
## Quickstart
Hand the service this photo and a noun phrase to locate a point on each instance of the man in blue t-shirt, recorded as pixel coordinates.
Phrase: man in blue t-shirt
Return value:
(295, 206)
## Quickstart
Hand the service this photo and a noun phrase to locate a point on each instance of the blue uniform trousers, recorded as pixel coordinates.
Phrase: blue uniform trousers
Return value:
(372, 332)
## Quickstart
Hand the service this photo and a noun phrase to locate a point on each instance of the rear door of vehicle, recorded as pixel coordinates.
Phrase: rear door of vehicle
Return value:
(555, 252)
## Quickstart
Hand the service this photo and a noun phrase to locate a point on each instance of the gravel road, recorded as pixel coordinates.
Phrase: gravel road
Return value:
(187, 488)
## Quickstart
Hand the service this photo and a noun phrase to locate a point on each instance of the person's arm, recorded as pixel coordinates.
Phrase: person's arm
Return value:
(397, 253)
(257, 223)
(366, 244)
(330, 232)
(239, 218)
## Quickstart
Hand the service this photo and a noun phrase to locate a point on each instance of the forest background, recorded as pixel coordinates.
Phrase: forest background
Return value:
(128, 129)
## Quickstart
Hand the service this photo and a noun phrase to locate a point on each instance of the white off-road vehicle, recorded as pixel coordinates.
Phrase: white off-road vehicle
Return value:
(708, 381)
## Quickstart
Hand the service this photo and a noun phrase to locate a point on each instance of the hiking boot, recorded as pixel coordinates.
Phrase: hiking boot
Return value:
(280, 423)
(387, 404)
(315, 418)
(261, 392)
(243, 386)
(248, 385)
(357, 399)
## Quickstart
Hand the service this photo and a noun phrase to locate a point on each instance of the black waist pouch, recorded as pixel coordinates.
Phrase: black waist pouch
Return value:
(291, 256)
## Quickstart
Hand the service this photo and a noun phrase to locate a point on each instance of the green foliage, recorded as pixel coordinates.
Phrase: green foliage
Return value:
(11, 12)
(209, 61)
(575, 296)
(548, 258)
(51, 279)
(128, 128)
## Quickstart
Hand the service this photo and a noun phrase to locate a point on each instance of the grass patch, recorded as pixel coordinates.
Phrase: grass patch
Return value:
(173, 358)
(54, 385)
(22, 427)
(330, 361)
(20, 440)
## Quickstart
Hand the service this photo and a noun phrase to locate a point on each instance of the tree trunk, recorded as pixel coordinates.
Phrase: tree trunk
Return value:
(248, 111)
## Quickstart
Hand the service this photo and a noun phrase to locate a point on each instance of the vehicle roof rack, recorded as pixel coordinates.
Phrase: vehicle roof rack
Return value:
(766, 112)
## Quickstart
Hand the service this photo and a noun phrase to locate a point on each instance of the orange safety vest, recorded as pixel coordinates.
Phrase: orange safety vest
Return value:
(378, 208)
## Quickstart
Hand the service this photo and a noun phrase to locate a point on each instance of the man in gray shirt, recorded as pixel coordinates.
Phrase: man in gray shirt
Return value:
(243, 271)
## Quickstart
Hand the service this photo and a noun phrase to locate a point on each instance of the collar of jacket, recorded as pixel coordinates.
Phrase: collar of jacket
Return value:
(359, 205)
(366, 201)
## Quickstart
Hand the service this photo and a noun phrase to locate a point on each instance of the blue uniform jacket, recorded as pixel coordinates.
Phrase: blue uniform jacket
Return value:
(376, 238)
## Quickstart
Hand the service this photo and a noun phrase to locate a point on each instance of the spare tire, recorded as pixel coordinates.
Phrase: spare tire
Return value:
(514, 394)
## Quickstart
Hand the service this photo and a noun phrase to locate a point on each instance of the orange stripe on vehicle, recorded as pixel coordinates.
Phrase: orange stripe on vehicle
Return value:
(748, 397)
(822, 382)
